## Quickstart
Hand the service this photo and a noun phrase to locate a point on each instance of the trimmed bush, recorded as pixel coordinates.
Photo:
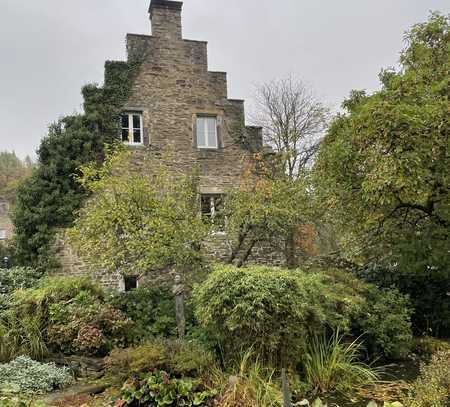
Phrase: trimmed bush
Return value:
(271, 310)
(25, 376)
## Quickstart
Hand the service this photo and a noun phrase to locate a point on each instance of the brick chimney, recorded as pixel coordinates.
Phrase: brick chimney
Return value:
(165, 17)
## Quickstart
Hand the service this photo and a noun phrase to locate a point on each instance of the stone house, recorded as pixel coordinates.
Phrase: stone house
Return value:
(177, 103)
(6, 225)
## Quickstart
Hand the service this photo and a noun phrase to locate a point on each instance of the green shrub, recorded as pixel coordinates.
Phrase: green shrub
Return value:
(432, 388)
(181, 358)
(160, 389)
(152, 309)
(386, 323)
(14, 279)
(427, 346)
(25, 376)
(66, 315)
(270, 310)
(331, 364)
(17, 278)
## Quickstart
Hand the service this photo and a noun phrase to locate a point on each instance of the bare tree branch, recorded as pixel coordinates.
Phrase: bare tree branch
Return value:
(293, 120)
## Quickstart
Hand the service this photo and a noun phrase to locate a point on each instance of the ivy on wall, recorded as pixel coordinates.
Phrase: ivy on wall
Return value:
(50, 197)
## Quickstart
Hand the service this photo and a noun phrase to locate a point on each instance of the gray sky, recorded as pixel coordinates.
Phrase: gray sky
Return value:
(49, 49)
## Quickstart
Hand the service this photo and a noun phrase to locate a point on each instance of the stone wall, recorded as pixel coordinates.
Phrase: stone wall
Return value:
(6, 224)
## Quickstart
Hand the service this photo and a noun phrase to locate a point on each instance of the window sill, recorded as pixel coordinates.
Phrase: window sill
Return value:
(218, 234)
(134, 145)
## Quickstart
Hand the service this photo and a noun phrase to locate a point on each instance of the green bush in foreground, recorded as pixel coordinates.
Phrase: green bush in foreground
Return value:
(432, 388)
(160, 389)
(25, 376)
(63, 315)
(270, 310)
(275, 311)
(150, 308)
(177, 357)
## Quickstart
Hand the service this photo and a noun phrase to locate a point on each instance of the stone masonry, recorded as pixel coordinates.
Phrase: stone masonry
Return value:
(6, 226)
(172, 88)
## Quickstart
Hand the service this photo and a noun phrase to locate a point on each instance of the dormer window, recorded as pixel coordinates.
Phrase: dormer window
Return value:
(131, 128)
(207, 132)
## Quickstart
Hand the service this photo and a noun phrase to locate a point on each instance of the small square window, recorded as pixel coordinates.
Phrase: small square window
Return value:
(2, 234)
(131, 128)
(207, 132)
(131, 283)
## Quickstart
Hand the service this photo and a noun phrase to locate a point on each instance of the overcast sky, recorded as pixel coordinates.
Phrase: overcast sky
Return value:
(49, 49)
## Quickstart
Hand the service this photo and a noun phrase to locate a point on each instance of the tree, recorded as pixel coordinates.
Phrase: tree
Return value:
(263, 211)
(383, 171)
(12, 171)
(293, 120)
(138, 223)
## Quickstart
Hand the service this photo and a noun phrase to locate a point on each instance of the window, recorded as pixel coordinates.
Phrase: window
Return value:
(212, 206)
(131, 283)
(131, 128)
(207, 132)
(2, 234)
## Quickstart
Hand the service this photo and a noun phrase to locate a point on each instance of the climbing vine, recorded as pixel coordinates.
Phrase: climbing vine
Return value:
(50, 197)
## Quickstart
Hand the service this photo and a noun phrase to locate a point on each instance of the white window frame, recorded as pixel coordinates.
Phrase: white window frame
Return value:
(202, 121)
(3, 234)
(131, 128)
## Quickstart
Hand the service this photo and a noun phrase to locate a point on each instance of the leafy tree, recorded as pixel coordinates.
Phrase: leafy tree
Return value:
(383, 172)
(12, 171)
(137, 223)
(264, 211)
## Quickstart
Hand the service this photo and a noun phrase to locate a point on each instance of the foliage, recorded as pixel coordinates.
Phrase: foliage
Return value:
(50, 197)
(14, 279)
(21, 335)
(385, 323)
(319, 403)
(390, 201)
(150, 308)
(432, 388)
(66, 315)
(25, 376)
(159, 389)
(427, 346)
(264, 211)
(426, 287)
(133, 212)
(253, 386)
(174, 356)
(272, 310)
(331, 364)
(12, 171)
